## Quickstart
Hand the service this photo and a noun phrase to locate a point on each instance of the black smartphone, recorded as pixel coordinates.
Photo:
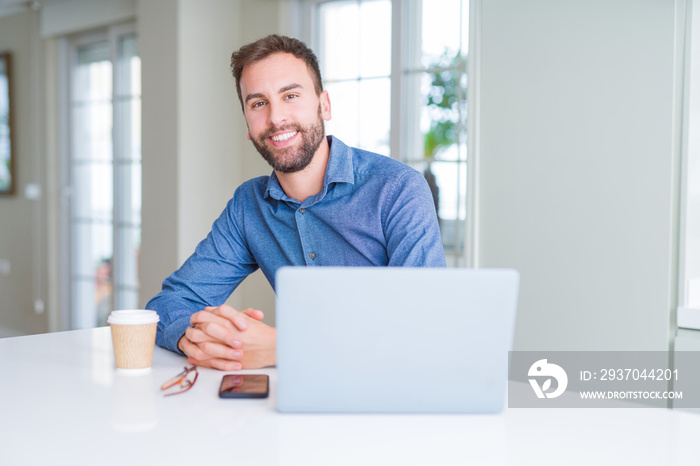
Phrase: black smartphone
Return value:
(245, 386)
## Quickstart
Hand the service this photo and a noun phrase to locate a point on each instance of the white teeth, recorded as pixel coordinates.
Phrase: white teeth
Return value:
(283, 137)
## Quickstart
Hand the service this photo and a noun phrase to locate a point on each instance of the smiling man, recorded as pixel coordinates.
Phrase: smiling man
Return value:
(325, 204)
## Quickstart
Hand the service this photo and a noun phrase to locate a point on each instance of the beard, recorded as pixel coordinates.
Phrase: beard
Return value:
(290, 159)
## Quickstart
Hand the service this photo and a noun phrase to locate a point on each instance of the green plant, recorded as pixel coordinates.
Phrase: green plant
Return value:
(446, 101)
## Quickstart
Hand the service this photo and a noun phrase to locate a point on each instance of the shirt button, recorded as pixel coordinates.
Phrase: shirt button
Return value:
(312, 255)
(302, 210)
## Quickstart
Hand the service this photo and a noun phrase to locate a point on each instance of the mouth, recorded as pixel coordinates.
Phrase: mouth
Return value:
(283, 138)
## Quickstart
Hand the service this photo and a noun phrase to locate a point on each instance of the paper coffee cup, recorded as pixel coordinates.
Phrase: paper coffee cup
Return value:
(133, 338)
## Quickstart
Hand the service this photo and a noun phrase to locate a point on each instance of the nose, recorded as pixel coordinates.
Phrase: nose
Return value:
(277, 115)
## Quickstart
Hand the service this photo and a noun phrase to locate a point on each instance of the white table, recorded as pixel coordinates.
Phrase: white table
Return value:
(62, 402)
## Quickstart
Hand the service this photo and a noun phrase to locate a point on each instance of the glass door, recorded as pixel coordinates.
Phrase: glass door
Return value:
(104, 175)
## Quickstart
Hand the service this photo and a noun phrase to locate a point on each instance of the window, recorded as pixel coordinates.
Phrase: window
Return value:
(103, 174)
(355, 56)
(396, 72)
(689, 276)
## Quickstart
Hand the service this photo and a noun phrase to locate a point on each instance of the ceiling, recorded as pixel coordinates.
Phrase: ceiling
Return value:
(11, 7)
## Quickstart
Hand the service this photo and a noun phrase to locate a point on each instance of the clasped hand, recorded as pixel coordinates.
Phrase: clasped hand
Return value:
(225, 339)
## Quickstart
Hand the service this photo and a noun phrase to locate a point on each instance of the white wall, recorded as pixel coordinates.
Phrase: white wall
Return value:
(22, 234)
(209, 123)
(579, 168)
(158, 48)
(195, 151)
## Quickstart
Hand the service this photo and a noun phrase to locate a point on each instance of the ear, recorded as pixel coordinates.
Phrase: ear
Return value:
(248, 135)
(325, 105)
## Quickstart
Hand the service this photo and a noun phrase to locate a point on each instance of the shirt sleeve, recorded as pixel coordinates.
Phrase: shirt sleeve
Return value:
(411, 225)
(207, 278)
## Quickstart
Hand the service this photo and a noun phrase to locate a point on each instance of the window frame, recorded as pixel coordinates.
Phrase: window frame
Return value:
(686, 316)
(67, 55)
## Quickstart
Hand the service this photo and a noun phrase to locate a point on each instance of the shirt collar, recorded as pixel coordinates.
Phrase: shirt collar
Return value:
(338, 170)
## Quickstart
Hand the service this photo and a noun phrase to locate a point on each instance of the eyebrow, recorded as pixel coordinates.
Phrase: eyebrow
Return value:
(282, 90)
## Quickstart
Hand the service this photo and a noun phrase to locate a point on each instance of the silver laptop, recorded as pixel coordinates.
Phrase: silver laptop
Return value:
(393, 339)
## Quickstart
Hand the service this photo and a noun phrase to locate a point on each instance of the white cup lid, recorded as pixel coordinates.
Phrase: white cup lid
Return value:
(133, 317)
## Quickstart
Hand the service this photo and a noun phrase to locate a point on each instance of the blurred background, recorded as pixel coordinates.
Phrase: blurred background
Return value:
(559, 138)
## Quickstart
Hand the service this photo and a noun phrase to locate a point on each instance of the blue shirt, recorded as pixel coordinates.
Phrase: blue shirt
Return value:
(371, 211)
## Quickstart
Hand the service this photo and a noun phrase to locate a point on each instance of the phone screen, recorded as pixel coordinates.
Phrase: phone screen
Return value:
(244, 386)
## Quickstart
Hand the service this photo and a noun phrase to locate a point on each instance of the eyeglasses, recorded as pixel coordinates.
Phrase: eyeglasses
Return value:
(184, 381)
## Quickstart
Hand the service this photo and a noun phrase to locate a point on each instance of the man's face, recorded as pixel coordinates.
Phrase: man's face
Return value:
(283, 113)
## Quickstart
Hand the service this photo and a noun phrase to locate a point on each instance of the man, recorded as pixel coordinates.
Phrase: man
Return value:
(324, 204)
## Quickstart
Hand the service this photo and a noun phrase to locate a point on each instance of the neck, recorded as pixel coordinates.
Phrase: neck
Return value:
(309, 181)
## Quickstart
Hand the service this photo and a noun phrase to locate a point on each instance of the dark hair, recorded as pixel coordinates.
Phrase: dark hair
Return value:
(263, 48)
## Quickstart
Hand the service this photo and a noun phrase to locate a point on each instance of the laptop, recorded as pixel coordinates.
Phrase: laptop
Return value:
(393, 339)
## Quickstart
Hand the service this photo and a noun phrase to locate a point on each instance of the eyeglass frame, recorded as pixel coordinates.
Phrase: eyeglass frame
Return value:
(181, 380)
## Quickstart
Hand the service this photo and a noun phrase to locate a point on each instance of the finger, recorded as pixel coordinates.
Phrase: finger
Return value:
(211, 333)
(236, 318)
(250, 312)
(193, 350)
(216, 327)
(202, 317)
(254, 313)
(197, 335)
(204, 355)
(186, 346)
(201, 346)
(219, 351)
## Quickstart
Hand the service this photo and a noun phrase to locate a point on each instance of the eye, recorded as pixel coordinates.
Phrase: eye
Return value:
(258, 104)
(291, 96)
